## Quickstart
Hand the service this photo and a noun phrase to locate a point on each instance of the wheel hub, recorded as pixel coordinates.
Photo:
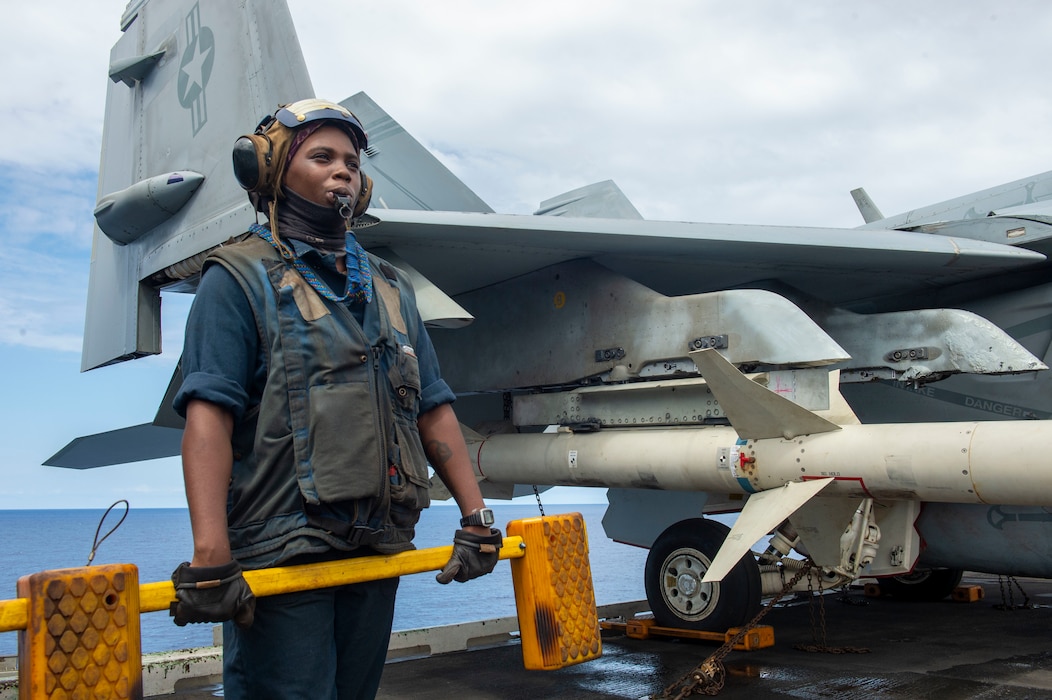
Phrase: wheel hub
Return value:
(687, 584)
(682, 588)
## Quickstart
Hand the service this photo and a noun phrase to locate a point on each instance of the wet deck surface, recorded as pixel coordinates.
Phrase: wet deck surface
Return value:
(916, 650)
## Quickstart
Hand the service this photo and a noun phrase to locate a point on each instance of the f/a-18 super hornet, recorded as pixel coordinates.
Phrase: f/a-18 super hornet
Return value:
(873, 398)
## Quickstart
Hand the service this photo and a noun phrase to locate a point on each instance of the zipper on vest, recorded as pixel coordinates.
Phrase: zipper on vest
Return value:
(380, 391)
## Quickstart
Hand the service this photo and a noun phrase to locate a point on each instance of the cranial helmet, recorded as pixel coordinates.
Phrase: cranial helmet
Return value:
(260, 157)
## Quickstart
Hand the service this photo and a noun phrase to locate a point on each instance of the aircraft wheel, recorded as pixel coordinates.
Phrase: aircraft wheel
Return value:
(929, 584)
(675, 566)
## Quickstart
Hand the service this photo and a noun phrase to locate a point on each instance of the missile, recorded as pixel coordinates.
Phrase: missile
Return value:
(784, 455)
(996, 462)
(772, 442)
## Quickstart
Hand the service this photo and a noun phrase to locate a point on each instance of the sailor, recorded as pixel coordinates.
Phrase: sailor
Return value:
(313, 405)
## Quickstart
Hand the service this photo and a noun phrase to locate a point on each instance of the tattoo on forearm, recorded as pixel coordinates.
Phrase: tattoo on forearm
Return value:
(438, 452)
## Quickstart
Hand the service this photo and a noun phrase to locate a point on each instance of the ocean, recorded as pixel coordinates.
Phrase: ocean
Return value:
(156, 540)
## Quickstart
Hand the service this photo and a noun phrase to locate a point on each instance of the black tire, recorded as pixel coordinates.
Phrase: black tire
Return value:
(675, 566)
(928, 584)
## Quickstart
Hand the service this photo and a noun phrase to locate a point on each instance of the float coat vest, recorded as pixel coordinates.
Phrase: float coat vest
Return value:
(331, 457)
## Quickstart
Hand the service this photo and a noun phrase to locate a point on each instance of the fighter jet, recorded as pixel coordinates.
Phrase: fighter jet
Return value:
(873, 398)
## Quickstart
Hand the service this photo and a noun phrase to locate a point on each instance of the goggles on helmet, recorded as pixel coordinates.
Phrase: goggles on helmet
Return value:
(305, 111)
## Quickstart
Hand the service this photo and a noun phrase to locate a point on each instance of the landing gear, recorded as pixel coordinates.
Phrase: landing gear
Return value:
(929, 584)
(677, 563)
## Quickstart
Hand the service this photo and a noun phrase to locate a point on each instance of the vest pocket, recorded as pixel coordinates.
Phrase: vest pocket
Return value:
(409, 485)
(344, 455)
(404, 376)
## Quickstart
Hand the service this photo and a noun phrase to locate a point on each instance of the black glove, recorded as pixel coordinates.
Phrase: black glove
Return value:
(212, 594)
(473, 556)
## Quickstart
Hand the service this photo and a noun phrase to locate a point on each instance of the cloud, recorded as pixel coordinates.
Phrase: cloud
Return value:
(55, 60)
(758, 113)
(45, 230)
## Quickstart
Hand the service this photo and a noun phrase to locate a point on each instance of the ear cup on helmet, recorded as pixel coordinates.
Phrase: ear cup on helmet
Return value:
(364, 196)
(249, 160)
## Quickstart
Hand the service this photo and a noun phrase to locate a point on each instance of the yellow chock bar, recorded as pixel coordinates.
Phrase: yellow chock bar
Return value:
(759, 637)
(78, 629)
(645, 627)
(82, 636)
(554, 598)
(341, 572)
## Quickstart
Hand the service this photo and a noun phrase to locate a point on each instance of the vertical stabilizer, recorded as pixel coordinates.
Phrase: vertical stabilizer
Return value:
(405, 174)
(604, 200)
(866, 207)
(186, 78)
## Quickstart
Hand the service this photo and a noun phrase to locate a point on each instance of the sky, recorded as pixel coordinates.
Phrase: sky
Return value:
(761, 112)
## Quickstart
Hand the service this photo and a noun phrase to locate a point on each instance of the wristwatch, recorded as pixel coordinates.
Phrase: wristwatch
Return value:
(482, 518)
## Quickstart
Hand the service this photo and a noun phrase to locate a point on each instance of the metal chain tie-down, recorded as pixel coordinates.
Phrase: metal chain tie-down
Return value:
(1008, 602)
(537, 495)
(820, 647)
(507, 416)
(707, 678)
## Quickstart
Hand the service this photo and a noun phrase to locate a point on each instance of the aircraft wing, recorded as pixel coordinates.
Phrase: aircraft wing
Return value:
(461, 252)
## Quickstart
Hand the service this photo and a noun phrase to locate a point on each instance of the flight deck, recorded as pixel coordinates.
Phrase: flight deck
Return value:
(888, 649)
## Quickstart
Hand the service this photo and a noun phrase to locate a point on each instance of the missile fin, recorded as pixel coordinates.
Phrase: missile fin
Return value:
(761, 513)
(754, 411)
